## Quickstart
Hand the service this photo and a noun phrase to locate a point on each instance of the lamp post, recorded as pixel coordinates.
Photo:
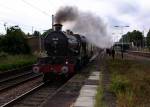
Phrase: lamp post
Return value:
(113, 39)
(122, 27)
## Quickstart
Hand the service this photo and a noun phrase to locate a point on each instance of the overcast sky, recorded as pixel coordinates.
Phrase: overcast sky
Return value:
(37, 13)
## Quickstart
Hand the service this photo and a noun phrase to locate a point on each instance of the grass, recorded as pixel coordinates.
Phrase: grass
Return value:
(8, 62)
(130, 81)
(99, 95)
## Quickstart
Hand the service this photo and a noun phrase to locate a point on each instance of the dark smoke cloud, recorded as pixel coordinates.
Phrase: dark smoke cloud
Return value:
(66, 14)
(85, 23)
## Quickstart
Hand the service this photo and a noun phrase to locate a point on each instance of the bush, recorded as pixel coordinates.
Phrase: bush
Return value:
(3, 54)
(16, 61)
(14, 42)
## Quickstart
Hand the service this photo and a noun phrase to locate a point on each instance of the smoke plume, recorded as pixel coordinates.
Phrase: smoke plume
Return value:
(85, 23)
(65, 14)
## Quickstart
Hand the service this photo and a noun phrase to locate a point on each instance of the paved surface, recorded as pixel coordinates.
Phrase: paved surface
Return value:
(88, 91)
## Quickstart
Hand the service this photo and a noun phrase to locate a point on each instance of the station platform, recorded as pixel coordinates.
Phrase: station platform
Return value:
(88, 91)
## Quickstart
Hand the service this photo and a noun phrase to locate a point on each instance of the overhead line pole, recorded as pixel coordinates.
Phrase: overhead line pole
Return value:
(122, 38)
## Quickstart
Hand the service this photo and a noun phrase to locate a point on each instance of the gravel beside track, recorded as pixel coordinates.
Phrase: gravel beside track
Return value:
(9, 73)
(19, 90)
(35, 96)
(66, 95)
(16, 80)
(8, 78)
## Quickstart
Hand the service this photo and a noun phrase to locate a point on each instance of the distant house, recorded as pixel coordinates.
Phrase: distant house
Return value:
(34, 43)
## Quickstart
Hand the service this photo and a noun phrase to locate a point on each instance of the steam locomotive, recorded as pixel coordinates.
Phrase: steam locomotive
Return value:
(66, 53)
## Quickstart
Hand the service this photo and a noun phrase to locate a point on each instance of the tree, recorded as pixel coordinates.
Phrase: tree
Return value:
(36, 33)
(14, 42)
(46, 32)
(135, 36)
(148, 39)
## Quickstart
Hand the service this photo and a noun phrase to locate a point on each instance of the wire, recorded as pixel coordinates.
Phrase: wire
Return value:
(6, 7)
(24, 27)
(10, 22)
(45, 13)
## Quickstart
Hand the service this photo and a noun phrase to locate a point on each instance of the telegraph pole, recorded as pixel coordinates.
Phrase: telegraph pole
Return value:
(32, 30)
(52, 21)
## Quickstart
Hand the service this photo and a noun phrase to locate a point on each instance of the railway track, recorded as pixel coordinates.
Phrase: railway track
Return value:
(36, 96)
(16, 100)
(138, 53)
(17, 79)
(12, 72)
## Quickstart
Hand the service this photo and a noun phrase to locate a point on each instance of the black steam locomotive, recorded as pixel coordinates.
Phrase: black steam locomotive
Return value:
(66, 53)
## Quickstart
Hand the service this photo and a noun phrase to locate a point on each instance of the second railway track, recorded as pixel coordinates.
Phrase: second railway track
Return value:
(11, 82)
(36, 96)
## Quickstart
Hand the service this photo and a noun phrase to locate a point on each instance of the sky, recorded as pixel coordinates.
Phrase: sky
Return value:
(33, 15)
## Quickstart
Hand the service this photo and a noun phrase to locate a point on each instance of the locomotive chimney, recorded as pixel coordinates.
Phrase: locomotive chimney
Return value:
(57, 27)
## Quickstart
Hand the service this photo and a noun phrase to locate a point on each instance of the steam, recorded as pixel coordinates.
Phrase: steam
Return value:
(87, 24)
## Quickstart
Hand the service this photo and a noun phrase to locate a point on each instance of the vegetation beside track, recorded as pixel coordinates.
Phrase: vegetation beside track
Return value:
(130, 81)
(8, 62)
(99, 98)
(99, 95)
